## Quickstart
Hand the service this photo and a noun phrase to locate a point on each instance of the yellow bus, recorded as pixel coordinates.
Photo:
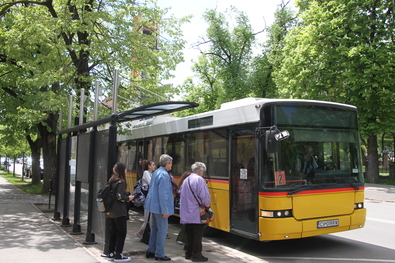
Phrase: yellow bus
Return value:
(276, 168)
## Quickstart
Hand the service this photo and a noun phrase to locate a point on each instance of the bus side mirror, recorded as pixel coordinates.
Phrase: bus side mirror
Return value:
(271, 142)
(282, 135)
(272, 136)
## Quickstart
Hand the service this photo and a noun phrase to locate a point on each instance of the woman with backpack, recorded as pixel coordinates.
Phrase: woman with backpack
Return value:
(118, 214)
(149, 167)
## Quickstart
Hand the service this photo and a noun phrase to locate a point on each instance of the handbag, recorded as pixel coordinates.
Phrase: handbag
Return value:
(147, 232)
(206, 213)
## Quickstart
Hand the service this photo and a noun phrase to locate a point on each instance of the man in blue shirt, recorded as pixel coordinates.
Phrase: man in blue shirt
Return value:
(159, 202)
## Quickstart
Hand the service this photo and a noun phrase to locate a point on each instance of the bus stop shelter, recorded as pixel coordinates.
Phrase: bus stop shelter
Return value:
(85, 163)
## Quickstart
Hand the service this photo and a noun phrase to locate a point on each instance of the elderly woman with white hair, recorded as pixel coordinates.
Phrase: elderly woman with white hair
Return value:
(194, 193)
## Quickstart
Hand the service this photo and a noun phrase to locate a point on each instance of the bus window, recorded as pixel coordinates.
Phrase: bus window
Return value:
(175, 147)
(127, 152)
(209, 147)
(148, 151)
(216, 158)
(326, 157)
(195, 149)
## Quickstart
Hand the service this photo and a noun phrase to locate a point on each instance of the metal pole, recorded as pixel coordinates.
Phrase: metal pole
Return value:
(77, 188)
(56, 214)
(96, 104)
(66, 200)
(71, 105)
(82, 99)
(115, 91)
(90, 237)
(60, 120)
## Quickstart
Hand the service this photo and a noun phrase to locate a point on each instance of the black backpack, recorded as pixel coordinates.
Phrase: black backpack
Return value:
(105, 199)
(139, 194)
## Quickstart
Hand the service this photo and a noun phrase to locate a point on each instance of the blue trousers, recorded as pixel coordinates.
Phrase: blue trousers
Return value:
(157, 240)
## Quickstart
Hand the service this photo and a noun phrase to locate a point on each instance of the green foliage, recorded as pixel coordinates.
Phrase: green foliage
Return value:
(55, 49)
(222, 69)
(344, 51)
(272, 53)
(385, 181)
(23, 184)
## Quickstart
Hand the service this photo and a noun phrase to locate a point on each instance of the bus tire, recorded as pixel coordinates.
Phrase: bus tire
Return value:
(209, 231)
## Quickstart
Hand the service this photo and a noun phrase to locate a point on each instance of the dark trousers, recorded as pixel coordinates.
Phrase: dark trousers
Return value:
(116, 238)
(194, 235)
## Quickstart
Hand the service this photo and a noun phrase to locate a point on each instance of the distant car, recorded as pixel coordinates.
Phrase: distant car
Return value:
(5, 161)
(42, 168)
(28, 168)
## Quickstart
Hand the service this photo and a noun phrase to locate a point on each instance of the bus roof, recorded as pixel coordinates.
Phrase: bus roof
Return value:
(237, 112)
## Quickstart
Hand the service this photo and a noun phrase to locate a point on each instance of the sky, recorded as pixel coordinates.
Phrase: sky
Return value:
(259, 12)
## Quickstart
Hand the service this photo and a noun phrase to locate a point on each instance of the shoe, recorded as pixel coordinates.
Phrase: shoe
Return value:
(188, 256)
(200, 259)
(167, 236)
(180, 242)
(149, 254)
(163, 259)
(121, 258)
(110, 257)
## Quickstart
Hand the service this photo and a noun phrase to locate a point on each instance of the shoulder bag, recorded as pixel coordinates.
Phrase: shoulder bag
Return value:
(206, 213)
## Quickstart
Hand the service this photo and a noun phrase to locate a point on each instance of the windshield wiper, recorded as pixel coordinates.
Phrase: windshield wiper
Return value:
(308, 186)
(354, 186)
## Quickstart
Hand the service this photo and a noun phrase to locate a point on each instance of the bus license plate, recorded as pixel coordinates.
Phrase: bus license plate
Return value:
(328, 223)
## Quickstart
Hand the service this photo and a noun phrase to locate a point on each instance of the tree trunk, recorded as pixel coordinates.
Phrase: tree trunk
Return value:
(35, 147)
(48, 135)
(372, 171)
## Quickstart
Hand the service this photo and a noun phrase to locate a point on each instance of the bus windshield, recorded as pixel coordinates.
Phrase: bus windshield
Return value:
(323, 148)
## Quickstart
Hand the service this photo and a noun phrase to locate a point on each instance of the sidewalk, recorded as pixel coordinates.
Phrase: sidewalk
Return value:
(27, 235)
(380, 193)
(30, 234)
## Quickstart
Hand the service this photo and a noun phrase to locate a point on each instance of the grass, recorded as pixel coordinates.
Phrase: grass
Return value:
(24, 184)
(385, 181)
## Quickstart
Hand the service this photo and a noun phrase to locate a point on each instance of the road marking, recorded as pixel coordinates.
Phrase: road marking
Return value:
(381, 220)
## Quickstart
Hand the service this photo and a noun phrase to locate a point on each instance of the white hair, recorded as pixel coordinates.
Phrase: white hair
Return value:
(198, 166)
(165, 159)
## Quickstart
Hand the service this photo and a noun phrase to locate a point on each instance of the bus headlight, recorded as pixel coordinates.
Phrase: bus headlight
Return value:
(358, 205)
(276, 214)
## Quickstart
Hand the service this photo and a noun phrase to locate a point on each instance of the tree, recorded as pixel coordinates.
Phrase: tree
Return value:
(51, 50)
(344, 51)
(223, 65)
(263, 65)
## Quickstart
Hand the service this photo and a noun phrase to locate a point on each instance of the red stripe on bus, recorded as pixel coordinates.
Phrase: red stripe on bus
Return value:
(310, 191)
(218, 181)
(208, 180)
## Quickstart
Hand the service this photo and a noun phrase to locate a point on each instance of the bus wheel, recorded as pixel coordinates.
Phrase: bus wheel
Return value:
(209, 231)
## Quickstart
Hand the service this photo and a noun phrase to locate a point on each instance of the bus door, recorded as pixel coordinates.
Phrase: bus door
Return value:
(243, 218)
